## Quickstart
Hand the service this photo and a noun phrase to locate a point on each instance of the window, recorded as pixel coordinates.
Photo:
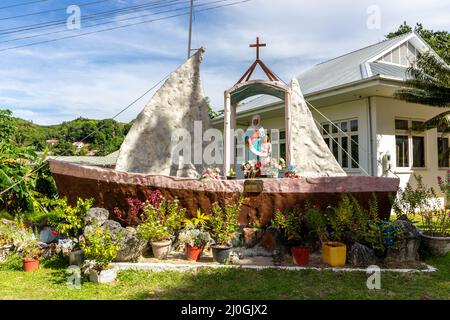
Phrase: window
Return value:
(443, 152)
(343, 141)
(401, 143)
(409, 143)
(443, 147)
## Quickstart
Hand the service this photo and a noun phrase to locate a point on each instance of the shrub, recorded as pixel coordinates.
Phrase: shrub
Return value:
(100, 247)
(194, 237)
(136, 207)
(69, 220)
(224, 223)
(316, 223)
(161, 222)
(289, 223)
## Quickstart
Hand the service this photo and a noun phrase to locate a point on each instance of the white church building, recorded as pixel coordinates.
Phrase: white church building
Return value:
(355, 92)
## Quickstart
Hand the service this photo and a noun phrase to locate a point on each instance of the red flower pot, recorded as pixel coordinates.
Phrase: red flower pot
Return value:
(193, 253)
(30, 265)
(301, 255)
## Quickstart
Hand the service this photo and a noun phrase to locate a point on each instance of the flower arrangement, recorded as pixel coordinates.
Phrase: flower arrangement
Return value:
(273, 167)
(211, 173)
(252, 169)
(291, 172)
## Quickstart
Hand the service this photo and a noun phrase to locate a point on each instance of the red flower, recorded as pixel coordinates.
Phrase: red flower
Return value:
(259, 164)
(54, 233)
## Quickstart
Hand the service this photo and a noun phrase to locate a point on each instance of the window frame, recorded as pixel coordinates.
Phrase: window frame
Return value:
(410, 133)
(442, 135)
(338, 137)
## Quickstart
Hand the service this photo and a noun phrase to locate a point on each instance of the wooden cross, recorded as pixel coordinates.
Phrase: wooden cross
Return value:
(257, 45)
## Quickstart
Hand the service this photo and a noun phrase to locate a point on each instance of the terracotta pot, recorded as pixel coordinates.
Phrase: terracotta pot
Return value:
(437, 246)
(161, 249)
(334, 253)
(300, 255)
(194, 253)
(30, 265)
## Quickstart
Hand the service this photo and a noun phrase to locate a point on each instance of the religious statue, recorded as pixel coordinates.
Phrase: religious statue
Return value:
(256, 139)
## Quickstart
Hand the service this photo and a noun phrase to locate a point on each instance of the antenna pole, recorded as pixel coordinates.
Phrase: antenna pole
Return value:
(190, 29)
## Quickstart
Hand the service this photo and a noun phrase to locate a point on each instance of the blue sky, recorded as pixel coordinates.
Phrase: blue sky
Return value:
(95, 76)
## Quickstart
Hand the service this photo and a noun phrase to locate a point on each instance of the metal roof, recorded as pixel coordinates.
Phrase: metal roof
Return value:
(109, 160)
(346, 68)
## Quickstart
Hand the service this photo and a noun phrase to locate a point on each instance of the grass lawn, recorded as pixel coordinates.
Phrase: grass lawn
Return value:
(50, 283)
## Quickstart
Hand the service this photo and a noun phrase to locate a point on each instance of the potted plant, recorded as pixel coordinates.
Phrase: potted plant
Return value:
(436, 221)
(231, 175)
(290, 224)
(101, 249)
(160, 223)
(335, 252)
(194, 237)
(223, 227)
(30, 252)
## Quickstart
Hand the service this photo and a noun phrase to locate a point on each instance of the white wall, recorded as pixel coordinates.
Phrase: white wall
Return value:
(357, 109)
(387, 109)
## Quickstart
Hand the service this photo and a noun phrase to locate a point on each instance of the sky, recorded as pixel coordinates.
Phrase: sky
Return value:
(97, 75)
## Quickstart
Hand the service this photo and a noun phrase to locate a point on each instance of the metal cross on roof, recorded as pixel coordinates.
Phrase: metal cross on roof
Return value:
(258, 45)
(247, 75)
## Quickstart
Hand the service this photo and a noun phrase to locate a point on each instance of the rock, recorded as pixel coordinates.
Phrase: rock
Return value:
(252, 236)
(406, 249)
(256, 251)
(131, 247)
(361, 256)
(273, 241)
(97, 216)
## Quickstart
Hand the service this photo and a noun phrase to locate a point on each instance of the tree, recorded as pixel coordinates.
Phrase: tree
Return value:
(429, 85)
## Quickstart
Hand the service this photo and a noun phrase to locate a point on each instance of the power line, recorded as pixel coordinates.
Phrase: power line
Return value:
(22, 4)
(52, 10)
(106, 14)
(124, 26)
(102, 23)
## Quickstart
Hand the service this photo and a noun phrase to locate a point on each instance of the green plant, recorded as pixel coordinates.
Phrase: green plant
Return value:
(341, 218)
(161, 222)
(101, 247)
(199, 221)
(69, 220)
(289, 223)
(224, 224)
(316, 223)
(193, 236)
(6, 233)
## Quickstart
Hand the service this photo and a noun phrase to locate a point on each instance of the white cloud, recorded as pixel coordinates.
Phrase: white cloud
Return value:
(96, 76)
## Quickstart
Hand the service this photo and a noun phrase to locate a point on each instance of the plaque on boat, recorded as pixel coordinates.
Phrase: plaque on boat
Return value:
(253, 186)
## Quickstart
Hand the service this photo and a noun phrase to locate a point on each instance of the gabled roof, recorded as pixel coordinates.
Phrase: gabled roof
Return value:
(357, 65)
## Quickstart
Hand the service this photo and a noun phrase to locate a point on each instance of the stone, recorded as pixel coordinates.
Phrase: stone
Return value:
(361, 256)
(310, 154)
(256, 251)
(408, 249)
(273, 241)
(252, 236)
(96, 216)
(179, 106)
(131, 247)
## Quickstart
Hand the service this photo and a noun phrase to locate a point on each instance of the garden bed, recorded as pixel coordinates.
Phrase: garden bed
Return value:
(176, 262)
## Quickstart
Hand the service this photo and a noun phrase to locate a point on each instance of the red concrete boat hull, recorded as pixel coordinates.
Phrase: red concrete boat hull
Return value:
(111, 188)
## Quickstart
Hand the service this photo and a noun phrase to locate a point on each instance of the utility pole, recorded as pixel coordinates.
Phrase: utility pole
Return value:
(190, 29)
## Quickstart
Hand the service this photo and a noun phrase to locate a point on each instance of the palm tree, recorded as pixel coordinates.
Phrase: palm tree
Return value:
(429, 84)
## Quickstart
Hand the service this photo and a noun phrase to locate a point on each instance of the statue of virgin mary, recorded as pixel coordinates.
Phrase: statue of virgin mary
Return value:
(254, 136)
